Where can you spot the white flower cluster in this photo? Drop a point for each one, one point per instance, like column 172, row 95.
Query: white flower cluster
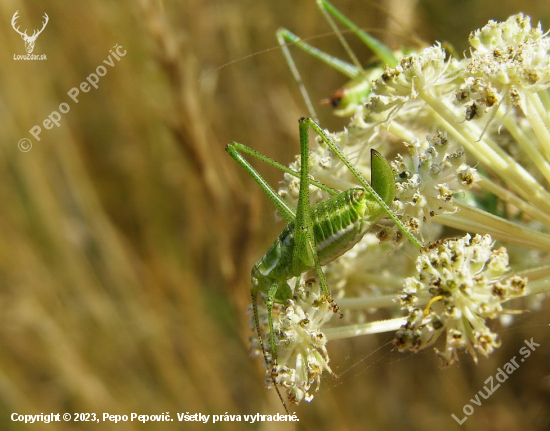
column 429, row 179
column 301, row 346
column 413, row 75
column 512, row 53
column 466, row 282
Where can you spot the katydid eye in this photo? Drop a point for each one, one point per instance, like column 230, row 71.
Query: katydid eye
column 358, row 194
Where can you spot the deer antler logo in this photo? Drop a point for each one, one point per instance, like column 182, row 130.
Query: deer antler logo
column 29, row 40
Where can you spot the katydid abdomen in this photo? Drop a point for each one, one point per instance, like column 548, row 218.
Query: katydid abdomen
column 338, row 223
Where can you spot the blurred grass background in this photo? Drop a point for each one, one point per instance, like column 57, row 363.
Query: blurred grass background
column 127, row 234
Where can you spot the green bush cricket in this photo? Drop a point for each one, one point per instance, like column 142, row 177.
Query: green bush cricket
column 314, row 235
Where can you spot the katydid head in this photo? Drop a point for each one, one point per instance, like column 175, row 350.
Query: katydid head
column 352, row 95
